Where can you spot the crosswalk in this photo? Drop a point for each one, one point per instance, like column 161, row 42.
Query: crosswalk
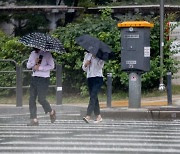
column 69, row 134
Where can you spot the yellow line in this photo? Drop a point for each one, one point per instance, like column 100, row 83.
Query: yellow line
column 125, row 103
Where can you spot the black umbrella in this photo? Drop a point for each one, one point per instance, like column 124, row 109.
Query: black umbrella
column 94, row 46
column 42, row 41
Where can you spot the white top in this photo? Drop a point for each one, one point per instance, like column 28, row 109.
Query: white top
column 46, row 65
column 95, row 68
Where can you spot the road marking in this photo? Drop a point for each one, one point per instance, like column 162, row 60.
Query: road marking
column 93, row 149
column 75, row 136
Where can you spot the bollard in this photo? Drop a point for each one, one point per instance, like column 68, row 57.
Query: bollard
column 109, row 89
column 169, row 88
column 58, row 84
column 134, row 90
column 19, row 90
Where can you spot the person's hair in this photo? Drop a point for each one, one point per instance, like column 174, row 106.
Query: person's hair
column 36, row 49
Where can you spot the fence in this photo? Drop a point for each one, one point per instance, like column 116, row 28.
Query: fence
column 19, row 81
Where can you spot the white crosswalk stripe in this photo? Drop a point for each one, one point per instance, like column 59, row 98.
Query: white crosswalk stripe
column 74, row 136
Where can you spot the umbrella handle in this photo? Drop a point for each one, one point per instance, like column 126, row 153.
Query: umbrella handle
column 90, row 62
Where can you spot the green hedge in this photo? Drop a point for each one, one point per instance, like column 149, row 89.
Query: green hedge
column 104, row 28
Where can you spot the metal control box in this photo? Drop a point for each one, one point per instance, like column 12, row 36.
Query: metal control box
column 135, row 46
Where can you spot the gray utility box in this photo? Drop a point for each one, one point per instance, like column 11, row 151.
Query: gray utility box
column 135, row 46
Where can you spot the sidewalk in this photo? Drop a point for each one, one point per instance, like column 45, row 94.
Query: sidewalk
column 145, row 102
column 151, row 108
column 119, row 109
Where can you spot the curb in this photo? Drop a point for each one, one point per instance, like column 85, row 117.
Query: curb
column 138, row 114
column 122, row 113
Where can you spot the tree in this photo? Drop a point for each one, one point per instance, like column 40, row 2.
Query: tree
column 105, row 28
column 29, row 22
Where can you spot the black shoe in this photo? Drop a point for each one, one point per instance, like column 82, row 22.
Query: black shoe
column 53, row 116
column 33, row 123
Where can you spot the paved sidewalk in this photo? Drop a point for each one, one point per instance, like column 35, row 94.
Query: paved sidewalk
column 145, row 102
column 119, row 109
column 151, row 108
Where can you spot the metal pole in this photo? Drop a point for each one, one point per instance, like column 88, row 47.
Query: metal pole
column 161, row 85
column 169, row 88
column 19, row 89
column 134, row 90
column 58, row 84
column 109, row 89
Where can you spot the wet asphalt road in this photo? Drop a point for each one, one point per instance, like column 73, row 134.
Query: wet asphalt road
column 69, row 134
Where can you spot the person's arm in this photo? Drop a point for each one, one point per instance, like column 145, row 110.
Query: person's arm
column 31, row 61
column 49, row 63
column 86, row 62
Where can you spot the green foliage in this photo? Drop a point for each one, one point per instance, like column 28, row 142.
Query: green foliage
column 12, row 50
column 86, row 3
column 143, row 2
column 151, row 79
column 101, row 2
column 30, row 22
column 105, row 28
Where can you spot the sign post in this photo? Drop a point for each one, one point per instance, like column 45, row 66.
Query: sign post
column 135, row 56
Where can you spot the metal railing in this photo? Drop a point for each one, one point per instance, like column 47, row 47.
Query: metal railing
column 19, row 81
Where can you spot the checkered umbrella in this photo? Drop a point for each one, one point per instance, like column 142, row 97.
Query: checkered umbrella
column 42, row 41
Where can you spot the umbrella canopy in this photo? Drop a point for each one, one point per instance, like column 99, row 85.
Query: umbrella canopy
column 42, row 41
column 94, row 46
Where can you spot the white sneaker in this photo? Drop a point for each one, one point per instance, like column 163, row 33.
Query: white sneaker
column 86, row 119
column 98, row 120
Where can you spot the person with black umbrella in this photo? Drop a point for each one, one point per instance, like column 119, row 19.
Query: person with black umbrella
column 41, row 63
column 93, row 67
column 97, row 53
